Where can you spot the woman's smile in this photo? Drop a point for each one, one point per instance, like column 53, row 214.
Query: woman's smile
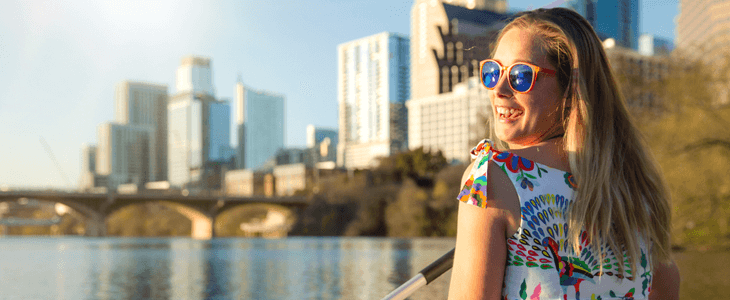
column 508, row 114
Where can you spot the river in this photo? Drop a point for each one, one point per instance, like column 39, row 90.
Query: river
column 291, row 268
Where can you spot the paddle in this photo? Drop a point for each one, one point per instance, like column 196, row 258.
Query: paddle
column 428, row 274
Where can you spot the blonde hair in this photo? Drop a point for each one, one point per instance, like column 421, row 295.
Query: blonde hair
column 621, row 192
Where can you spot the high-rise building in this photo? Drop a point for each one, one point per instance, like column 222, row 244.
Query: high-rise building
column 139, row 103
column 373, row 85
column 618, row 19
column 449, row 108
column 198, row 129
column 219, row 131
column 450, row 122
column 316, row 135
column 640, row 69
column 448, row 41
column 650, row 45
column 88, row 158
column 260, row 123
column 703, row 27
column 194, row 76
column 125, row 154
column 88, row 167
column 323, row 142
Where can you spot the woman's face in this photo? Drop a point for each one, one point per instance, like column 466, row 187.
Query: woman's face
column 525, row 119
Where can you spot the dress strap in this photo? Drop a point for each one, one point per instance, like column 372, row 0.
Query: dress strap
column 474, row 191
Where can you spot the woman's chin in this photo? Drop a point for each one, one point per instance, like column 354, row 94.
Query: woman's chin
column 514, row 140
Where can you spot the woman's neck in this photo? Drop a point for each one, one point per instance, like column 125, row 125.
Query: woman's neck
column 548, row 152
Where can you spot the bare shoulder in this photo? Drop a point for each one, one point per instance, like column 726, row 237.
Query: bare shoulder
column 481, row 246
column 503, row 196
column 500, row 195
column 467, row 172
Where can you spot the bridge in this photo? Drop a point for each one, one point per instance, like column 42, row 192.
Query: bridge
column 202, row 210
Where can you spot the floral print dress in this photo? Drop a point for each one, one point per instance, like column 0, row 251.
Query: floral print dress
column 541, row 264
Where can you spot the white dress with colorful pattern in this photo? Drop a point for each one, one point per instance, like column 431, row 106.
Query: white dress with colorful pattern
column 540, row 262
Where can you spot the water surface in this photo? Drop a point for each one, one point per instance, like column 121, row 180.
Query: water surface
column 292, row 268
column 181, row 268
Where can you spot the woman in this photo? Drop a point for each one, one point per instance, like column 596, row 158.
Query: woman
column 577, row 209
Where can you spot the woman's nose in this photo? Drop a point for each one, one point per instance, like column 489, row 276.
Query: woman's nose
column 502, row 87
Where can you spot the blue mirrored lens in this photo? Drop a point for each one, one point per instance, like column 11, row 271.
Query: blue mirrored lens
column 520, row 77
column 490, row 74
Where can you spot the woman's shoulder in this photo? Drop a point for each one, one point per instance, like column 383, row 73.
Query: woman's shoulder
column 483, row 169
column 546, row 169
column 514, row 160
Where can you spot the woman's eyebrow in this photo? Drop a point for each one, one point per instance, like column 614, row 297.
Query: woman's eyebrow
column 517, row 61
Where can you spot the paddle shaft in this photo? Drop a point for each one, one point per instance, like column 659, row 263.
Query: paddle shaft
column 426, row 276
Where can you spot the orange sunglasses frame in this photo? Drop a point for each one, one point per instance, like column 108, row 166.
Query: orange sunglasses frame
column 535, row 69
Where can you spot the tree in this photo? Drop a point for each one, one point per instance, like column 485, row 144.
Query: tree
column 690, row 137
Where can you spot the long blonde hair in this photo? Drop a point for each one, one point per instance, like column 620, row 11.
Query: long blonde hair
column 621, row 192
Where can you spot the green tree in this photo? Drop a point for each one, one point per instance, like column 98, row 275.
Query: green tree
column 416, row 164
column 689, row 135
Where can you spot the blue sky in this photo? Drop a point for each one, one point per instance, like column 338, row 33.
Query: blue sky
column 60, row 60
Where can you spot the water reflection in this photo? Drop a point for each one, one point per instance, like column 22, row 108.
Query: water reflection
column 186, row 269
column 179, row 268
column 294, row 268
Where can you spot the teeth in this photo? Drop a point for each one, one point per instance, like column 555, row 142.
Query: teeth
column 508, row 113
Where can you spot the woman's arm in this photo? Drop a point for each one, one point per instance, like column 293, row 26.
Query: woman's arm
column 665, row 282
column 481, row 246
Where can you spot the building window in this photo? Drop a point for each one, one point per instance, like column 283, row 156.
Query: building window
column 445, row 79
column 454, row 76
column 450, row 51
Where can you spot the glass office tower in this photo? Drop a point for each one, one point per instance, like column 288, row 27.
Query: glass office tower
column 141, row 103
column 198, row 131
column 373, row 86
column 617, row 19
column 260, row 121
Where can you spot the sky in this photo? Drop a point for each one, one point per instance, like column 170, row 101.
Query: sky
column 60, row 61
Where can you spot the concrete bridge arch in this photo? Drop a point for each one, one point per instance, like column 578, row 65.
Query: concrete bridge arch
column 201, row 210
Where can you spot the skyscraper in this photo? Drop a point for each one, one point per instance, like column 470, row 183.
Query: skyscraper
column 139, row 103
column 448, row 39
column 703, row 27
column 449, row 107
column 88, row 167
column 260, row 123
column 617, row 19
column 88, row 158
column 323, row 141
column 125, row 153
column 652, row 45
column 194, row 76
column 373, row 85
column 450, row 122
column 198, row 131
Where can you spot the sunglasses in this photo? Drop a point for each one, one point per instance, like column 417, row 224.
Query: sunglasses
column 521, row 75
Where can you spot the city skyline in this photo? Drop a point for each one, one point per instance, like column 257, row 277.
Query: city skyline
column 61, row 62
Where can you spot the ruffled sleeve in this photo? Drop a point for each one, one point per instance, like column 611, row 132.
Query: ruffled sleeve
column 474, row 191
